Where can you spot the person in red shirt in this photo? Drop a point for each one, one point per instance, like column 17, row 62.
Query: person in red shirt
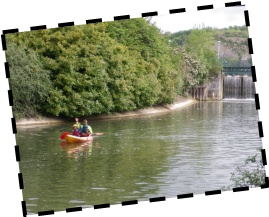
column 75, row 130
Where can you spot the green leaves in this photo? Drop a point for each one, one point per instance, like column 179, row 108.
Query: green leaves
column 98, row 68
column 199, row 61
column 194, row 71
column 199, row 44
column 151, row 61
column 251, row 173
column 29, row 81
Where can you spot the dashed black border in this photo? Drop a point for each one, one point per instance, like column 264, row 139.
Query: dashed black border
column 33, row 28
column 238, row 189
column 253, row 72
column 130, row 202
column 20, row 181
column 10, row 97
column 101, row 206
column 49, row 212
column 66, row 24
column 178, row 10
column 205, row 7
column 156, row 199
column 233, row 4
column 207, row 193
column 257, row 101
column 99, row 20
column 123, row 17
column 14, row 127
column 24, row 210
column 183, row 196
column 74, row 209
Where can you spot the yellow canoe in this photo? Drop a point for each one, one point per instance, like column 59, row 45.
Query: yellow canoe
column 76, row 139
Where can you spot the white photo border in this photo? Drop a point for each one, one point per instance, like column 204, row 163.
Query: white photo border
column 147, row 14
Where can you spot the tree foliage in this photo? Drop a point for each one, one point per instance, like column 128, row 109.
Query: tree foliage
column 145, row 38
column 105, row 67
column 199, row 44
column 110, row 67
column 194, row 71
column 233, row 42
column 200, row 62
column 29, row 81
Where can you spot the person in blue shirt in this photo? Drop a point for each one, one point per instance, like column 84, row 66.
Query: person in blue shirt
column 85, row 129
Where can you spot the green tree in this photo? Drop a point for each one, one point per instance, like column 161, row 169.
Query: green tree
column 105, row 67
column 161, row 63
column 233, row 43
column 29, row 81
column 179, row 37
column 194, row 71
column 199, row 44
column 140, row 35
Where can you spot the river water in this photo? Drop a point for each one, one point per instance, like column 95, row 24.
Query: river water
column 191, row 150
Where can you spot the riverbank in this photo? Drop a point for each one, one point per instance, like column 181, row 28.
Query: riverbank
column 180, row 102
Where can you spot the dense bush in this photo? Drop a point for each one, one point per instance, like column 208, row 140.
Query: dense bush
column 29, row 81
column 162, row 62
column 105, row 67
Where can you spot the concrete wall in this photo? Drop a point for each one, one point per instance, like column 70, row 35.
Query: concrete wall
column 211, row 91
column 199, row 93
column 215, row 88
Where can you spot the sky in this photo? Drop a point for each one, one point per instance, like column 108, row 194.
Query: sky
column 219, row 18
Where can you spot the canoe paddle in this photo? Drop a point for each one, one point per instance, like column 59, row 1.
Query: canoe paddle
column 64, row 134
column 98, row 134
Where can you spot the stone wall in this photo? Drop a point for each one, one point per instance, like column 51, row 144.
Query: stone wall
column 211, row 91
column 215, row 88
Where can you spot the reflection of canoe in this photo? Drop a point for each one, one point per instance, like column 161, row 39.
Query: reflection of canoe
column 76, row 150
column 76, row 139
